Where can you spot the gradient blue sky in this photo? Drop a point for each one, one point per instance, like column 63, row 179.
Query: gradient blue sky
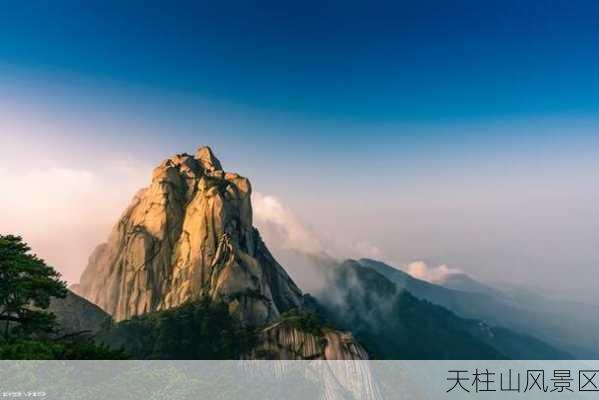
column 461, row 132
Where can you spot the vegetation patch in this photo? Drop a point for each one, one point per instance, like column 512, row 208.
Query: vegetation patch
column 29, row 330
column 303, row 321
column 197, row 330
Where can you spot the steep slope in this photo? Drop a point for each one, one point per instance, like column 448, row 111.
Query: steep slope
column 568, row 331
column 189, row 236
column 392, row 323
column 75, row 314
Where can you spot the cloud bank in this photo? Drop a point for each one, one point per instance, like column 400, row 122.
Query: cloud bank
column 64, row 212
column 281, row 228
column 438, row 274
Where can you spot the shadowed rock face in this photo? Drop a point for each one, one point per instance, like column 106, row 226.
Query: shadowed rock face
column 188, row 234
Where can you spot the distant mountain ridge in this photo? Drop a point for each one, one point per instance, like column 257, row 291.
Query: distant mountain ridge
column 464, row 283
column 553, row 322
column 394, row 324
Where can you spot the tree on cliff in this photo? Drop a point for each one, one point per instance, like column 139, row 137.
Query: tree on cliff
column 26, row 286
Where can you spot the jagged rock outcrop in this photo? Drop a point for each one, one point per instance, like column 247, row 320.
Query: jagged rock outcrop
column 188, row 234
column 285, row 342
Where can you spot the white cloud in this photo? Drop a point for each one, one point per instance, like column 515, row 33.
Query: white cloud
column 64, row 212
column 280, row 227
column 364, row 249
column 421, row 270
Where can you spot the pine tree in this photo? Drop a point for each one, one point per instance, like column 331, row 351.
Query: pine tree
column 26, row 286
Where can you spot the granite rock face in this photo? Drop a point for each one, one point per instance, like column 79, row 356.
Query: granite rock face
column 188, row 234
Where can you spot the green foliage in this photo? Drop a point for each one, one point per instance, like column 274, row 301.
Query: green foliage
column 303, row 321
column 28, row 349
column 26, row 286
column 64, row 349
column 197, row 330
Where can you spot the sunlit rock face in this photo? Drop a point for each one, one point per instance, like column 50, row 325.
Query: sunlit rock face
column 188, row 234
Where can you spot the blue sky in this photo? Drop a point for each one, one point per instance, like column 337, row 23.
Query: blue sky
column 458, row 132
column 359, row 61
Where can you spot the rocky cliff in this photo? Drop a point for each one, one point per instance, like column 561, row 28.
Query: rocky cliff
column 190, row 235
column 284, row 342
column 187, row 235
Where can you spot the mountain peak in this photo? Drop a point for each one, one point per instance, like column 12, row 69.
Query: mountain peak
column 207, row 159
column 189, row 234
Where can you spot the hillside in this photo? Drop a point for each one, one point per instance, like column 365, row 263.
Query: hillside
column 393, row 324
column 559, row 324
